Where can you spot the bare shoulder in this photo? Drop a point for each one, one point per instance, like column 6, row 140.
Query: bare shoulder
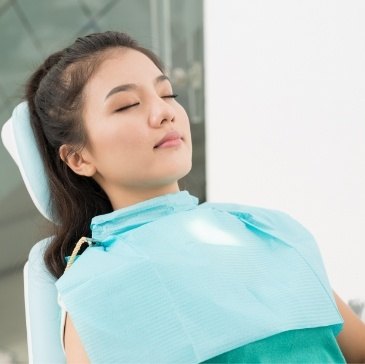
column 74, row 349
column 352, row 337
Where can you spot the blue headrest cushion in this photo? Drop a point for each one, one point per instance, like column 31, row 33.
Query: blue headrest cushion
column 18, row 138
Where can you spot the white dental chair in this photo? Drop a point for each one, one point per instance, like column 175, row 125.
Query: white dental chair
column 42, row 312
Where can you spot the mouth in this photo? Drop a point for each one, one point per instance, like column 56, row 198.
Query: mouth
column 171, row 139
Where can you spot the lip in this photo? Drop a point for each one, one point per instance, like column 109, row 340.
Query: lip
column 171, row 139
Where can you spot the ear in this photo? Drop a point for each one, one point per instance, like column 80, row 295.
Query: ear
column 79, row 161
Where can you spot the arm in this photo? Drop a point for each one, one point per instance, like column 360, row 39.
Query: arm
column 352, row 337
column 75, row 352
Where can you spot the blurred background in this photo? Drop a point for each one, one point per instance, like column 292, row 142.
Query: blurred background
column 29, row 31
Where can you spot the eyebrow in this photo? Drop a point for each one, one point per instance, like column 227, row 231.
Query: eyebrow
column 133, row 86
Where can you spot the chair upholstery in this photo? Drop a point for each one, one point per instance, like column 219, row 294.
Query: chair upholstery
column 18, row 138
column 42, row 312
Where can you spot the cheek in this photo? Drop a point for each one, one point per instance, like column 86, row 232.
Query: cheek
column 183, row 115
column 186, row 124
column 118, row 143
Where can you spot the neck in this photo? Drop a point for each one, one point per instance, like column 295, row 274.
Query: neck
column 120, row 198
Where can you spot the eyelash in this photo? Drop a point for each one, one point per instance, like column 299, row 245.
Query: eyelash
column 126, row 107
column 172, row 96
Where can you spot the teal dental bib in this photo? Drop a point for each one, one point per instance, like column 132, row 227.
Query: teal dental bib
column 178, row 282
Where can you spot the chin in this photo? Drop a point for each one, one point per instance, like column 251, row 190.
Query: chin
column 175, row 174
column 183, row 170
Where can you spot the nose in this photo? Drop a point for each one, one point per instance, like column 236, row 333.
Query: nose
column 161, row 112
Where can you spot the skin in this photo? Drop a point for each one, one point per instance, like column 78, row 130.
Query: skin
column 121, row 156
column 352, row 337
column 120, row 153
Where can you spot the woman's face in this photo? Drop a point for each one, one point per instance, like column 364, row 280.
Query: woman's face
column 139, row 141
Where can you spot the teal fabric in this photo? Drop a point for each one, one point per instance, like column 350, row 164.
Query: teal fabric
column 178, row 282
column 316, row 345
column 29, row 160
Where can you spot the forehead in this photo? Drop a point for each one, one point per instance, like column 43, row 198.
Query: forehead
column 123, row 65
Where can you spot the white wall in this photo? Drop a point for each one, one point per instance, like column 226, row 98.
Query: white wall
column 285, row 118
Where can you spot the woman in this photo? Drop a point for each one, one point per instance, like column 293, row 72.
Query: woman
column 165, row 279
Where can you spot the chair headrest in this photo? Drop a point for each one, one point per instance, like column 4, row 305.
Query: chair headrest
column 19, row 140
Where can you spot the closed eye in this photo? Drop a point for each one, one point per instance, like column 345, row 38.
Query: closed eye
column 126, row 107
column 172, row 96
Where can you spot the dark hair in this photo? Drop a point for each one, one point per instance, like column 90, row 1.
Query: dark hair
column 54, row 94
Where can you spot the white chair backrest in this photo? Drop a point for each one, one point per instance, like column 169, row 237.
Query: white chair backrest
column 42, row 312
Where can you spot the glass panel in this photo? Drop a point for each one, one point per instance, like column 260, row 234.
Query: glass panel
column 183, row 53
